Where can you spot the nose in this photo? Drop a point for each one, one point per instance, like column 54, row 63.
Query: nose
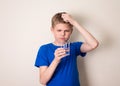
column 62, row 33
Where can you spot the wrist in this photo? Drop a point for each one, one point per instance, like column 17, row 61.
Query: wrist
column 56, row 60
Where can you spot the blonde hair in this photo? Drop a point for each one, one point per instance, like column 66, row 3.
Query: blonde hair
column 57, row 19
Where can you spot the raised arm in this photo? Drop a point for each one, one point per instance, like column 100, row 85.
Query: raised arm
column 90, row 42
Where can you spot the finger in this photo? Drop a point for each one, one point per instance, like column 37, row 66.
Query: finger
column 65, row 18
column 60, row 50
column 61, row 55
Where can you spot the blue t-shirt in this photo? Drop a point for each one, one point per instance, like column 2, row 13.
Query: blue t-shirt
column 66, row 73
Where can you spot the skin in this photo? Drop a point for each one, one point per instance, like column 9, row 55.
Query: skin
column 62, row 33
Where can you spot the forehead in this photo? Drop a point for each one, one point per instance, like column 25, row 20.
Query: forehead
column 62, row 26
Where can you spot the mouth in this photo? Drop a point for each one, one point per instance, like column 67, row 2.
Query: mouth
column 62, row 38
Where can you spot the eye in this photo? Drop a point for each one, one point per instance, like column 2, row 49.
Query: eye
column 59, row 30
column 67, row 30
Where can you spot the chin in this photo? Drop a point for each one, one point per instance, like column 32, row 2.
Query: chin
column 63, row 41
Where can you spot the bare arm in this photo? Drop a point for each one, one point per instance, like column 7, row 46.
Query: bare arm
column 90, row 41
column 46, row 72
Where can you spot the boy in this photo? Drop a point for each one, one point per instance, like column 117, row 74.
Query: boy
column 57, row 69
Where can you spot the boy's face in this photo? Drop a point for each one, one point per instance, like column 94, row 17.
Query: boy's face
column 61, row 33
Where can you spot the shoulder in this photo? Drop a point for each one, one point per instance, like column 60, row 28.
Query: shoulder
column 44, row 46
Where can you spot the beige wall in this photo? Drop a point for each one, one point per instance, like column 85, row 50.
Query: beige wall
column 25, row 25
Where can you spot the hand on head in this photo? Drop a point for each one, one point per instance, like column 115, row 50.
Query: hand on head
column 67, row 18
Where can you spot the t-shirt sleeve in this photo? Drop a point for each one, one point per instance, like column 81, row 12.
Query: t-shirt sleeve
column 41, row 58
column 78, row 52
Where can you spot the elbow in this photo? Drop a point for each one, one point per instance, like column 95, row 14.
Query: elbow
column 95, row 45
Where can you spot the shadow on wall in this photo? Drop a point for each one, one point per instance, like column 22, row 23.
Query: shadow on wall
column 106, row 42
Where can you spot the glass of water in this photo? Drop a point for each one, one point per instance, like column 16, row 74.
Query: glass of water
column 66, row 46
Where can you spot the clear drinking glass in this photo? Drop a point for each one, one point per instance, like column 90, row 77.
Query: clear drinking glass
column 66, row 46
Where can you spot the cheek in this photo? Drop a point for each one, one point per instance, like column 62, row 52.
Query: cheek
column 68, row 34
column 56, row 34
